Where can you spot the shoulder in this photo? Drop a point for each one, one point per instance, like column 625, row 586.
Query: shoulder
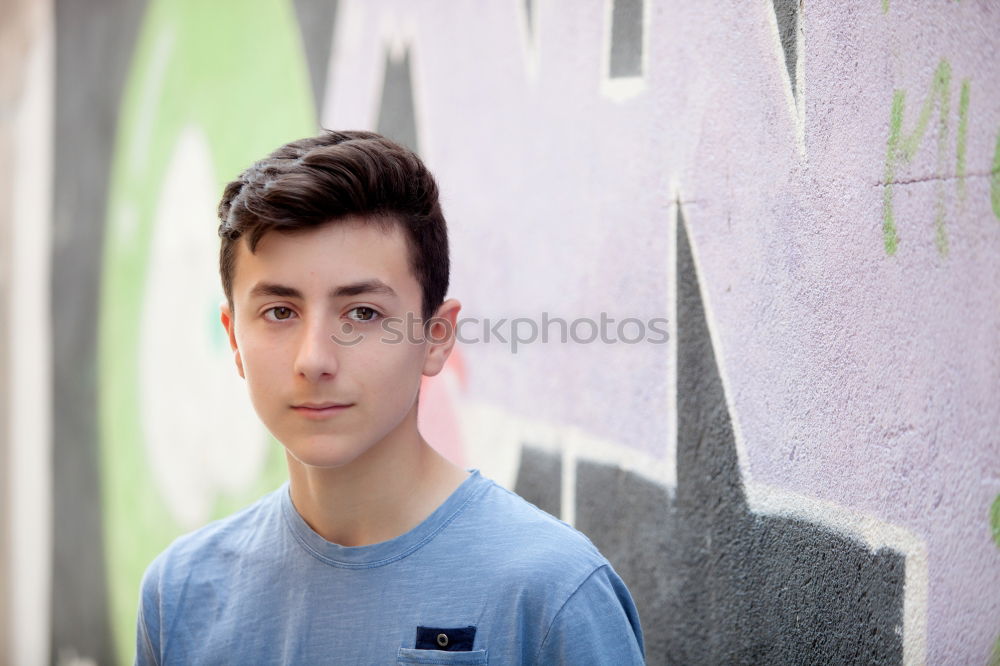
column 598, row 623
column 581, row 605
column 522, row 542
column 212, row 546
column 533, row 529
column 196, row 570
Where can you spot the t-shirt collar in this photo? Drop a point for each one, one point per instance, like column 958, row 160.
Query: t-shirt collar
column 384, row 552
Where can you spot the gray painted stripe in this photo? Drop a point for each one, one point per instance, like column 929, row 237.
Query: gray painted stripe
column 316, row 26
column 396, row 115
column 95, row 39
column 539, row 479
column 626, row 39
column 787, row 14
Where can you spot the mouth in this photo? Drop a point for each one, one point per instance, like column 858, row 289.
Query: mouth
column 321, row 405
column 320, row 410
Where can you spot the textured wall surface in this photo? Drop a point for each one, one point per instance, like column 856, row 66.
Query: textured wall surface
column 26, row 103
column 17, row 32
column 803, row 468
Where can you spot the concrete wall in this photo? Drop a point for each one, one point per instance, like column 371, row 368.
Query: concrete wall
column 804, row 467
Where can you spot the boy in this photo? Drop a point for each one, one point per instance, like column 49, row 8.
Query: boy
column 378, row 550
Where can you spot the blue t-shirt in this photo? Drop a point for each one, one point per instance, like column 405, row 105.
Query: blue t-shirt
column 486, row 578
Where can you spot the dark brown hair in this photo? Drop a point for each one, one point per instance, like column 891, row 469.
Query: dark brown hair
column 310, row 182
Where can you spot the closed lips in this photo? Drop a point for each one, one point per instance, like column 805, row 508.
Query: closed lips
column 321, row 405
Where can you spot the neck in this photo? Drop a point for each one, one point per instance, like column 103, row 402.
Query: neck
column 385, row 492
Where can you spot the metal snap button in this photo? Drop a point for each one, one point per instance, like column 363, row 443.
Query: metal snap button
column 442, row 639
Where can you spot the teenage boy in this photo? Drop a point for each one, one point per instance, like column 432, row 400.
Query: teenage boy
column 377, row 550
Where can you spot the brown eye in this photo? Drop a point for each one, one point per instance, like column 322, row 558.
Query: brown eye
column 364, row 313
column 280, row 313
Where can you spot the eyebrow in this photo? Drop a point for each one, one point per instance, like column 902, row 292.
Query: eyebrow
column 373, row 286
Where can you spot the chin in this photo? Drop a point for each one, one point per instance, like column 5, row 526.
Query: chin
column 325, row 453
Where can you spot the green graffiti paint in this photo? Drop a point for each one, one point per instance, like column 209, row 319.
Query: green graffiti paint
column 238, row 79
column 939, row 90
column 963, row 131
column 995, row 520
column 902, row 147
column 895, row 130
column 943, row 83
column 995, row 180
column 995, row 508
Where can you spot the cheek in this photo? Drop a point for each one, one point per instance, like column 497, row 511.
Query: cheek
column 262, row 367
column 394, row 371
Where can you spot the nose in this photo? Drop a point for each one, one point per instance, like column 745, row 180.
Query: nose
column 316, row 359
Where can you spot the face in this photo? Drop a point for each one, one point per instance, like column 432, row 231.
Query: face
column 307, row 334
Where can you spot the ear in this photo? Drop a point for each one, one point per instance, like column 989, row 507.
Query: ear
column 229, row 323
column 440, row 336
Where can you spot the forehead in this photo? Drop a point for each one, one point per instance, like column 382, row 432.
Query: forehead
column 336, row 253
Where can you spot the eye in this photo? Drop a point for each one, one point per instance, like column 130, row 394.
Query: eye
column 279, row 313
column 363, row 313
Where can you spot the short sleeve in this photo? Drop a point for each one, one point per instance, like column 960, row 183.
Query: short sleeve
column 598, row 624
column 148, row 619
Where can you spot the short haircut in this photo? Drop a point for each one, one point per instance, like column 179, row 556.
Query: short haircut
column 313, row 181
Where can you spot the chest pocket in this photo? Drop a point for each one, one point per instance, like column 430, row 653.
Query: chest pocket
column 467, row 658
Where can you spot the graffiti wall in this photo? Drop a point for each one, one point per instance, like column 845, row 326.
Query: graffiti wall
column 731, row 270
